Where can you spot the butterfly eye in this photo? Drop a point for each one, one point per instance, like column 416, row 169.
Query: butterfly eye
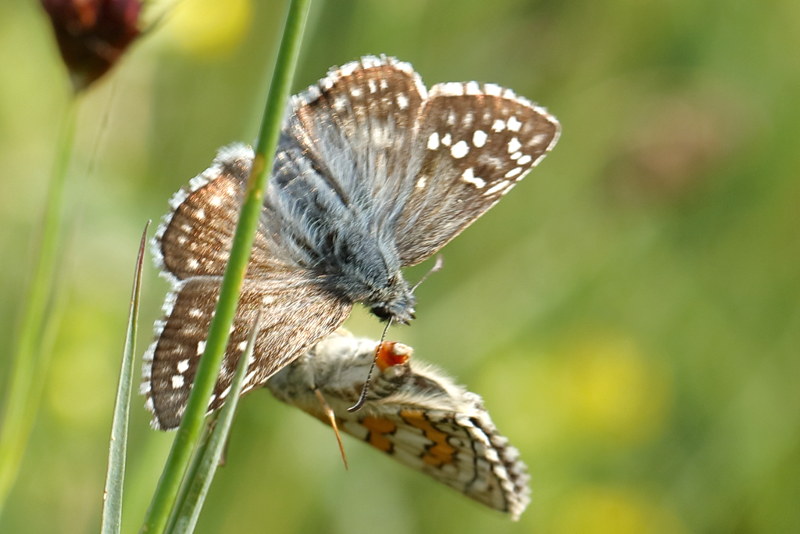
column 382, row 312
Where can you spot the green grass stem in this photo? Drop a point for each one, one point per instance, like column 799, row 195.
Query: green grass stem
column 209, row 453
column 28, row 363
column 208, row 368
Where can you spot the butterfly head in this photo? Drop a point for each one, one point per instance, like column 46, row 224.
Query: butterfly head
column 395, row 301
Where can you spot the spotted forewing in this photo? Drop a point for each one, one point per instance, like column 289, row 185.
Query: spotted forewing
column 192, row 245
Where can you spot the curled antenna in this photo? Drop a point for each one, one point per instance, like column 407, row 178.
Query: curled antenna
column 362, row 398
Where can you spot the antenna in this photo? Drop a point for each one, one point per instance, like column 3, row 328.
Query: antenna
column 362, row 398
column 436, row 268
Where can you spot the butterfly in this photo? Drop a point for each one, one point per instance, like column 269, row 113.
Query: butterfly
column 373, row 173
column 413, row 412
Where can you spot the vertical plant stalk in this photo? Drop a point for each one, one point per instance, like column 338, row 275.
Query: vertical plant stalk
column 115, row 477
column 23, row 398
column 207, row 456
column 208, row 368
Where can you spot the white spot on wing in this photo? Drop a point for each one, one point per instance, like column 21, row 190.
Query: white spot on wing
column 479, row 138
column 469, row 177
column 498, row 125
column 183, row 366
column 177, row 381
column 537, row 139
column 241, row 346
column 459, row 150
column 177, row 199
column 402, row 101
column 192, row 263
column 215, row 200
column 524, row 160
column 514, row 145
column 421, row 182
column 513, row 172
column 446, row 140
column 249, row 377
column 499, row 186
column 514, row 124
column 195, row 312
column 492, row 89
column 201, row 347
column 453, row 88
column 433, row 141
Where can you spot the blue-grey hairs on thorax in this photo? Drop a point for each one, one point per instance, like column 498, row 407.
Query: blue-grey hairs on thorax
column 336, row 229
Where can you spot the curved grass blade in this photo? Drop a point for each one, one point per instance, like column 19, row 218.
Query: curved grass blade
column 115, row 477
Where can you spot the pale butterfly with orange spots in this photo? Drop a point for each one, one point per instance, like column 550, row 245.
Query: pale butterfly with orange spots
column 413, row 412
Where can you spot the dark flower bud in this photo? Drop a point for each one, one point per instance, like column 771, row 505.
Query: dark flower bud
column 92, row 34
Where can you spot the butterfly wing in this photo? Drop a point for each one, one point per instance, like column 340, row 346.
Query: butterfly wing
column 295, row 314
column 420, row 165
column 477, row 142
column 357, row 126
column 195, row 238
column 414, row 414
column 193, row 245
column 460, row 448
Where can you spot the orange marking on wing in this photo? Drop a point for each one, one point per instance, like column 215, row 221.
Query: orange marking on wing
column 378, row 428
column 441, row 452
column 391, row 353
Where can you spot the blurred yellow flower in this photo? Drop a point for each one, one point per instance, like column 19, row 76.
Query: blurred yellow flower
column 207, row 28
column 599, row 388
column 610, row 389
column 601, row 510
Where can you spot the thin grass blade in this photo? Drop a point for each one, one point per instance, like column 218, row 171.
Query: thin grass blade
column 117, row 450
column 22, row 396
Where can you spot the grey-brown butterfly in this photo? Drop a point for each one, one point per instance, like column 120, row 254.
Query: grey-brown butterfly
column 373, row 173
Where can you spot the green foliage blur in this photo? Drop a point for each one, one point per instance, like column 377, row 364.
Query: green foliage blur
column 630, row 313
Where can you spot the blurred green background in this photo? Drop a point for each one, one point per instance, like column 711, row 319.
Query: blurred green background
column 630, row 313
